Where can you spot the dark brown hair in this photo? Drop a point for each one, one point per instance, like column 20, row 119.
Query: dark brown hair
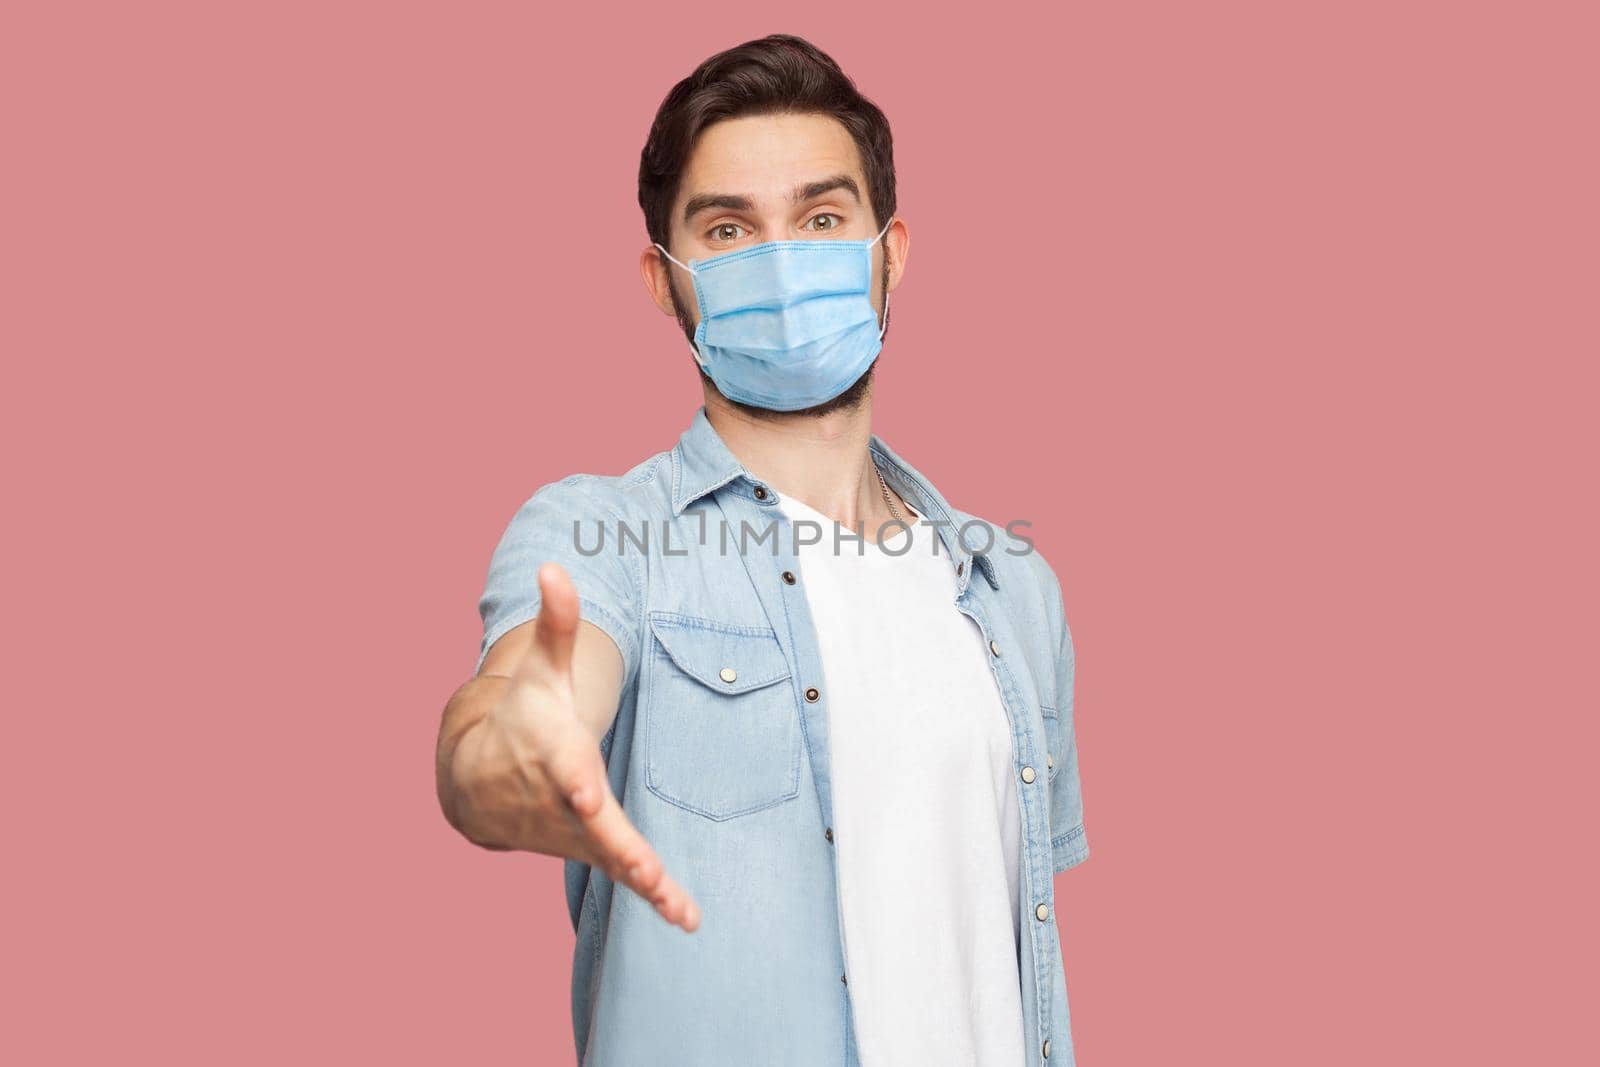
column 776, row 73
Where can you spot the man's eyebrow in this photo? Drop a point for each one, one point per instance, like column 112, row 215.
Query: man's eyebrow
column 706, row 201
column 812, row 190
column 802, row 193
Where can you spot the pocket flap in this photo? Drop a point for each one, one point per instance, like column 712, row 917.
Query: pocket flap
column 721, row 656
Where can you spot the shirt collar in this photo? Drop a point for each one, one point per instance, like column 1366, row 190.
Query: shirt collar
column 912, row 486
column 701, row 464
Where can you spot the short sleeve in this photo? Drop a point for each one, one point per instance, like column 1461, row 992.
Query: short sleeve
column 1068, row 845
column 565, row 522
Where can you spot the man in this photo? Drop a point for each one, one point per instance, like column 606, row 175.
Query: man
column 769, row 680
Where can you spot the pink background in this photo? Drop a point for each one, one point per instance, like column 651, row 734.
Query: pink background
column 1277, row 320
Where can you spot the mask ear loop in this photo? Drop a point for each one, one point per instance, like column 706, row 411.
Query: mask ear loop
column 870, row 243
column 698, row 358
column 674, row 259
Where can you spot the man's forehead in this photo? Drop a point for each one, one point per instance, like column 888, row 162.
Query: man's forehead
column 771, row 159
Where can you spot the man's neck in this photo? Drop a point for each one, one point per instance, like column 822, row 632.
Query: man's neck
column 822, row 461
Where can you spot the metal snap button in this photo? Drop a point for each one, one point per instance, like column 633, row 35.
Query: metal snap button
column 828, row 833
column 1027, row 774
column 761, row 492
column 994, row 646
column 788, row 578
column 1049, row 760
column 1046, row 1048
column 727, row 674
column 812, row 695
column 1042, row 911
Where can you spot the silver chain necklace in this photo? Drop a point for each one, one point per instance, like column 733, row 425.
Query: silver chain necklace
column 894, row 512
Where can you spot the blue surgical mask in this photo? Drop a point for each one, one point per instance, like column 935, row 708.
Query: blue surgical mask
column 787, row 324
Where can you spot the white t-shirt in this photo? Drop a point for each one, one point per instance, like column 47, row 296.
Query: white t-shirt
column 926, row 821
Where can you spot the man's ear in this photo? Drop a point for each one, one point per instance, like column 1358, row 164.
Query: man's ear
column 656, row 271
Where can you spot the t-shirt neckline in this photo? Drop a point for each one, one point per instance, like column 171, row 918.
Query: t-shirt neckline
column 891, row 540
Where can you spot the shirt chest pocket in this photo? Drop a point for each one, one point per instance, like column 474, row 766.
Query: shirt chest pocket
column 722, row 734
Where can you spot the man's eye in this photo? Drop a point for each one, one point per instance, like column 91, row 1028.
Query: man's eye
column 722, row 233
column 834, row 225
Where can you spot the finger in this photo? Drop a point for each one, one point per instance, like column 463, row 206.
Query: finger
column 572, row 764
column 651, row 881
column 675, row 904
column 616, row 843
column 622, row 851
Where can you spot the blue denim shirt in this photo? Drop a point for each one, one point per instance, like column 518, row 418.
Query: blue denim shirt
column 729, row 780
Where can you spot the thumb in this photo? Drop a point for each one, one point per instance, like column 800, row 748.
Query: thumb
column 555, row 631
